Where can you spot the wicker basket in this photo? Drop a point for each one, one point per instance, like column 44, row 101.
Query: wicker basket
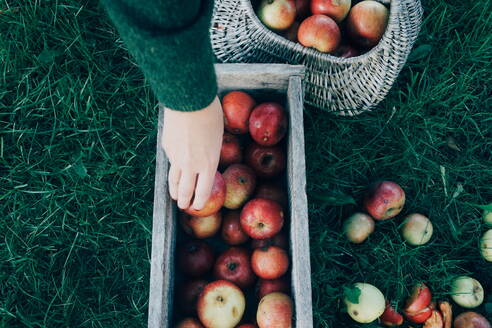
column 346, row 86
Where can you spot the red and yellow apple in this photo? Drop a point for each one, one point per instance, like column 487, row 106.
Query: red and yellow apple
column 187, row 295
column 201, row 227
column 267, row 286
column 277, row 15
column 270, row 262
column 195, row 258
column 234, row 265
column 390, row 317
column 467, row 292
column 384, row 200
column 358, row 227
column 274, row 311
column 232, row 232
column 471, row 320
column 336, row 9
column 418, row 307
column 267, row 162
column 486, row 245
column 237, row 107
column 240, row 183
column 366, row 22
column 320, row 32
column 369, row 306
column 215, row 201
column 261, row 218
column 417, row 229
column 268, row 124
column 230, row 153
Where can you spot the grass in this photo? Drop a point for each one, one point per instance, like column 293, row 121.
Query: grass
column 77, row 145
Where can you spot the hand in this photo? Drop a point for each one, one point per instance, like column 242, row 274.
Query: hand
column 192, row 142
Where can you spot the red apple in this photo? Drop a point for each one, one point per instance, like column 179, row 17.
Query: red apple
column 279, row 240
column 234, row 265
column 346, row 51
column 187, row 295
column 277, row 15
column 270, row 262
column 384, row 200
column 189, row 323
column 419, row 299
column 390, row 317
column 215, row 201
column 366, row 22
column 421, row 316
column 471, row 320
column 275, row 311
column 273, row 192
column 267, row 162
column 291, row 33
column 230, row 153
column 267, row 286
column 201, row 227
column 247, row 325
column 232, row 232
column 240, row 183
column 336, row 9
column 320, row 32
column 268, row 124
column 262, row 218
column 195, row 258
column 237, row 107
column 435, row 320
column 302, row 8
column 221, row 304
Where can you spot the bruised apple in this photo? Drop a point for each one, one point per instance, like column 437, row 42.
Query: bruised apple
column 267, row 162
column 275, row 311
column 268, row 124
column 336, row 9
column 195, row 258
column 215, row 201
column 267, row 286
column 230, row 153
column 320, row 32
column 471, row 320
column 384, row 200
column 367, row 22
column 277, row 15
column 261, row 218
column 270, row 262
column 369, row 306
column 237, row 106
column 240, row 183
column 232, row 232
column 187, row 295
column 234, row 265
column 358, row 227
column 201, row 227
column 189, row 323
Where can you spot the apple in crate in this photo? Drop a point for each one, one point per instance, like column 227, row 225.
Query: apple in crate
column 274, row 311
column 467, row 292
column 237, row 107
column 221, row 305
column 390, row 317
column 486, row 245
column 417, row 229
column 268, row 124
column 201, row 227
column 267, row 162
column 358, row 227
column 234, row 265
column 195, row 258
column 273, row 192
column 384, row 200
column 336, row 9
column 262, row 218
column 366, row 23
column 418, row 307
column 189, row 323
column 471, row 320
column 232, row 232
column 216, row 200
column 365, row 302
column 240, row 183
column 270, row 262
column 230, row 153
column 187, row 295
column 320, row 32
column 279, row 240
column 277, row 15
column 267, row 286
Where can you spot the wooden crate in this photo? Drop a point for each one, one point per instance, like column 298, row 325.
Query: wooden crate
column 274, row 80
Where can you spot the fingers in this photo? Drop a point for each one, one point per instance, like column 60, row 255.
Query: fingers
column 186, row 188
column 173, row 179
column 203, row 189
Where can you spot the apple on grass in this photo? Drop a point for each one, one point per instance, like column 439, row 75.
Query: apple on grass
column 268, row 124
column 262, row 218
column 279, row 240
column 366, row 22
column 187, row 295
column 277, row 15
column 447, row 313
column 417, row 229
column 487, row 216
column 435, row 320
column 267, row 162
column 232, row 232
column 237, row 107
column 384, row 200
column 418, row 307
column 336, row 9
column 467, row 292
column 365, row 303
column 234, row 265
column 195, row 258
column 270, row 262
column 240, row 183
column 215, row 201
column 486, row 245
column 230, row 152
column 267, row 286
column 274, row 311
column 320, row 32
column 358, row 227
column 201, row 227
column 189, row 323
column 221, row 305
column 471, row 320
column 390, row 317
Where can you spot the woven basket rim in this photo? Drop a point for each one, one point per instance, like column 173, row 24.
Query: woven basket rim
column 295, row 46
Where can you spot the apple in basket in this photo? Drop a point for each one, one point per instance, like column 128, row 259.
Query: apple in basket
column 277, row 14
column 320, row 32
column 215, row 201
column 237, row 106
column 230, row 153
column 366, row 23
column 302, row 8
column 336, row 9
column 346, row 51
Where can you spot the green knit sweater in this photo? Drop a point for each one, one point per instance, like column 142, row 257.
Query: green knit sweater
column 171, row 43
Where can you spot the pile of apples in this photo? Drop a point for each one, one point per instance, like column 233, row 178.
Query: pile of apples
column 247, row 210
column 330, row 26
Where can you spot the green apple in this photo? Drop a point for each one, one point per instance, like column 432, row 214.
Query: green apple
column 486, row 245
column 467, row 292
column 368, row 306
column 487, row 216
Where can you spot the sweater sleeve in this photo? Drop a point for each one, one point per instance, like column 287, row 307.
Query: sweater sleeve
column 170, row 41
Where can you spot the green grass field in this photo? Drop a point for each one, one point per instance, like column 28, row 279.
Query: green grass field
column 77, row 151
